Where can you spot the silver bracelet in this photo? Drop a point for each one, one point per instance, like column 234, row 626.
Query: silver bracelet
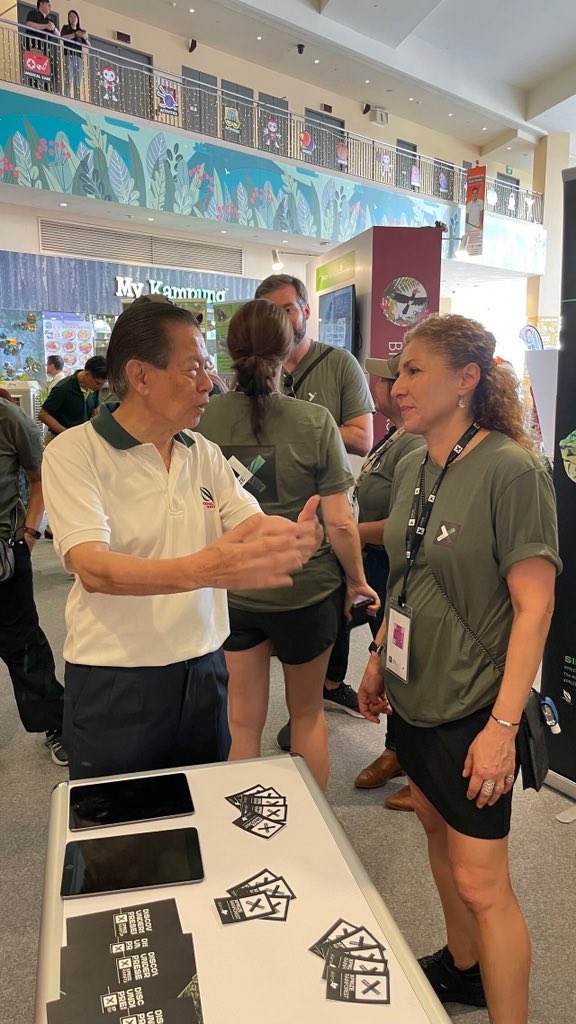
column 502, row 721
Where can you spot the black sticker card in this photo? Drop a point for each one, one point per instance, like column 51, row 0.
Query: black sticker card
column 233, row 909
column 107, row 926
column 349, row 987
column 169, row 1011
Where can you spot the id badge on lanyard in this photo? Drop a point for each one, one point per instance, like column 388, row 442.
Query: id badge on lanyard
column 398, row 640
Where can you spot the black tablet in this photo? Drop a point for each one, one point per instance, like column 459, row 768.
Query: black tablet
column 123, row 801
column 144, row 860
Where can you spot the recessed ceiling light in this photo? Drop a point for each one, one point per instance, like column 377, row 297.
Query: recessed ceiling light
column 484, row 129
column 192, row 10
column 316, row 61
column 149, row 218
column 223, row 232
column 450, row 115
column 366, row 81
column 284, row 241
column 63, row 204
column 508, row 147
column 410, row 99
column 259, row 38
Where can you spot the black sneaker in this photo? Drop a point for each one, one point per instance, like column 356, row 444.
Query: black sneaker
column 450, row 984
column 283, row 738
column 57, row 752
column 343, row 698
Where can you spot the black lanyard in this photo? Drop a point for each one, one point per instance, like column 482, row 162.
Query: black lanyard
column 416, row 529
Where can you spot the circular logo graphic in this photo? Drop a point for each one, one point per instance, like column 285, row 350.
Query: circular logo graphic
column 404, row 302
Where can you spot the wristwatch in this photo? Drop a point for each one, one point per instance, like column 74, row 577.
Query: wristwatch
column 375, row 648
column 32, row 533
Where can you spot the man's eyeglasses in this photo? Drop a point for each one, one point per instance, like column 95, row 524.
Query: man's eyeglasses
column 288, row 385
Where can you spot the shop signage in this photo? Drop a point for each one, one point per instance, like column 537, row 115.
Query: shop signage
column 128, row 288
column 37, row 65
column 338, row 271
column 167, row 98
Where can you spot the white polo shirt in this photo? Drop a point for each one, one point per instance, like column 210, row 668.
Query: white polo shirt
column 101, row 484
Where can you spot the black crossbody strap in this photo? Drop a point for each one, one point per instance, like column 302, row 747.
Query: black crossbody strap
column 466, row 627
column 309, row 369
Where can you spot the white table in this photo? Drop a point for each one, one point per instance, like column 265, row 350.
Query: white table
column 270, row 961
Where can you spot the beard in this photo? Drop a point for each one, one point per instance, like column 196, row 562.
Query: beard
column 299, row 330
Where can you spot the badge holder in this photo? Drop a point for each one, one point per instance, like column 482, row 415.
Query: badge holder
column 398, row 640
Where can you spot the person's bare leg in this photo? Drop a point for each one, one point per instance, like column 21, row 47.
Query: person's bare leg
column 482, row 878
column 304, row 688
column 461, row 934
column 248, row 691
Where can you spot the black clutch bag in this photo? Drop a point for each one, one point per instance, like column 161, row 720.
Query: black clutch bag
column 531, row 744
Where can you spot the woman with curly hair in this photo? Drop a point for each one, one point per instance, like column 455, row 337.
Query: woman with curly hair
column 472, row 543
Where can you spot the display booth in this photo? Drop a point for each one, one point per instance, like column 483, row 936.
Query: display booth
column 283, row 925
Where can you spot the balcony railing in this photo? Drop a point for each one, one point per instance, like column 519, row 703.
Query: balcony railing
column 126, row 86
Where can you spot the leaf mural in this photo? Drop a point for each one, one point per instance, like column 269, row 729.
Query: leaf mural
column 82, row 151
column 137, row 172
column 305, row 218
column 328, row 193
column 22, row 160
column 158, row 186
column 156, row 154
column 66, row 151
column 170, row 189
column 10, row 176
column 96, row 138
column 101, row 176
column 83, row 183
column 121, row 180
column 242, row 204
column 218, row 196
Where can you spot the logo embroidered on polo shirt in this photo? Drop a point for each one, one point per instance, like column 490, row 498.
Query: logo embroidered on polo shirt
column 207, row 499
column 447, row 534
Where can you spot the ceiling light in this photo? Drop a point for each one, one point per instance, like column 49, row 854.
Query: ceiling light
column 484, row 129
column 149, row 218
column 410, row 99
column 276, row 261
column 508, row 148
column 259, row 38
column 316, row 61
column 366, row 81
column 192, row 10
column 223, row 232
column 63, row 204
column 284, row 241
column 450, row 115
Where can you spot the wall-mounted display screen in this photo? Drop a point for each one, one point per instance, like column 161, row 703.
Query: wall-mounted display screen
column 337, row 318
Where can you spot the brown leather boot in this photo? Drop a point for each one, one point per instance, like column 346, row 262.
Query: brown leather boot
column 384, row 768
column 401, row 800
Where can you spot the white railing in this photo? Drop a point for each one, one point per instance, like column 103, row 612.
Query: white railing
column 126, row 86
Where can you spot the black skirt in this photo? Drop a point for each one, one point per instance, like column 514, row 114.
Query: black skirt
column 434, row 759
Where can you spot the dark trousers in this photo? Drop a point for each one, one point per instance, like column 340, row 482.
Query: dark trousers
column 26, row 651
column 141, row 719
column 376, row 567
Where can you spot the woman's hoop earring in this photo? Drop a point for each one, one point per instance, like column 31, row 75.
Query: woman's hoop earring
column 461, row 403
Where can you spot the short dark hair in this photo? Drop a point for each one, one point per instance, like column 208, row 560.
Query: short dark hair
column 141, row 332
column 96, row 365
column 276, row 281
column 38, row 2
column 56, row 361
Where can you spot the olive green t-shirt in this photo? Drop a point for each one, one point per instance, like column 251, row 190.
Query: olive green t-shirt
column 495, row 507
column 300, row 454
column 337, row 382
column 375, row 487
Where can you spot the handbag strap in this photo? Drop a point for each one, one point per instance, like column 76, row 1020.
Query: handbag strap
column 309, row 369
column 466, row 627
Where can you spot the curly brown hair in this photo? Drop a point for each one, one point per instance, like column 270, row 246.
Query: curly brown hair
column 260, row 338
column 495, row 402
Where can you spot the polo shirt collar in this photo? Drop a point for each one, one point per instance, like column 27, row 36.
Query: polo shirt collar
column 114, row 433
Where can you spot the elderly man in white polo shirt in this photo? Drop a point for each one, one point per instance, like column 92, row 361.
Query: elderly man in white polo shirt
column 150, row 518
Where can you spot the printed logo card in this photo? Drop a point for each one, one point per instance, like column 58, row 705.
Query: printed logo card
column 109, row 926
column 232, row 909
column 376, row 963
column 348, row 987
column 339, row 930
column 236, row 798
column 357, row 940
column 71, row 1010
column 262, row 878
column 259, row 826
column 166, row 969
column 280, row 905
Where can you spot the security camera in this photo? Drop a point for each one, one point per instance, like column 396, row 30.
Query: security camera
column 300, row 48
column 193, row 45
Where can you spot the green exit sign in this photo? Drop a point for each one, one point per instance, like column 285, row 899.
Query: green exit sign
column 509, row 170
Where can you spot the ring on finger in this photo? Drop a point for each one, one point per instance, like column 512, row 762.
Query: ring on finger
column 487, row 787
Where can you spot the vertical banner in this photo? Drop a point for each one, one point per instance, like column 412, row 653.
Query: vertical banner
column 475, row 199
column 406, row 264
column 559, row 667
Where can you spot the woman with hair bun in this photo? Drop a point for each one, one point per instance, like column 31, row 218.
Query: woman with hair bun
column 473, row 551
column 284, row 451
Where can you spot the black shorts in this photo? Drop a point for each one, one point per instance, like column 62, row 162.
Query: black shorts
column 297, row 636
column 434, row 759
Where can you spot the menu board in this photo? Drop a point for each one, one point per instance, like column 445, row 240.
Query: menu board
column 70, row 335
column 21, row 349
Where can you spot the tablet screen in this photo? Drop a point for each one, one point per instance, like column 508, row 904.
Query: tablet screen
column 142, row 860
column 129, row 800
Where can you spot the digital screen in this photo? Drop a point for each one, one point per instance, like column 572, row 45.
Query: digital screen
column 337, row 315
column 120, row 801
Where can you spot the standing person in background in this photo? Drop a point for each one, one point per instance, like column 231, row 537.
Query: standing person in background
column 43, row 38
column 331, row 377
column 23, row 645
column 372, row 493
column 284, row 451
column 473, row 548
column 54, row 370
column 75, row 38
